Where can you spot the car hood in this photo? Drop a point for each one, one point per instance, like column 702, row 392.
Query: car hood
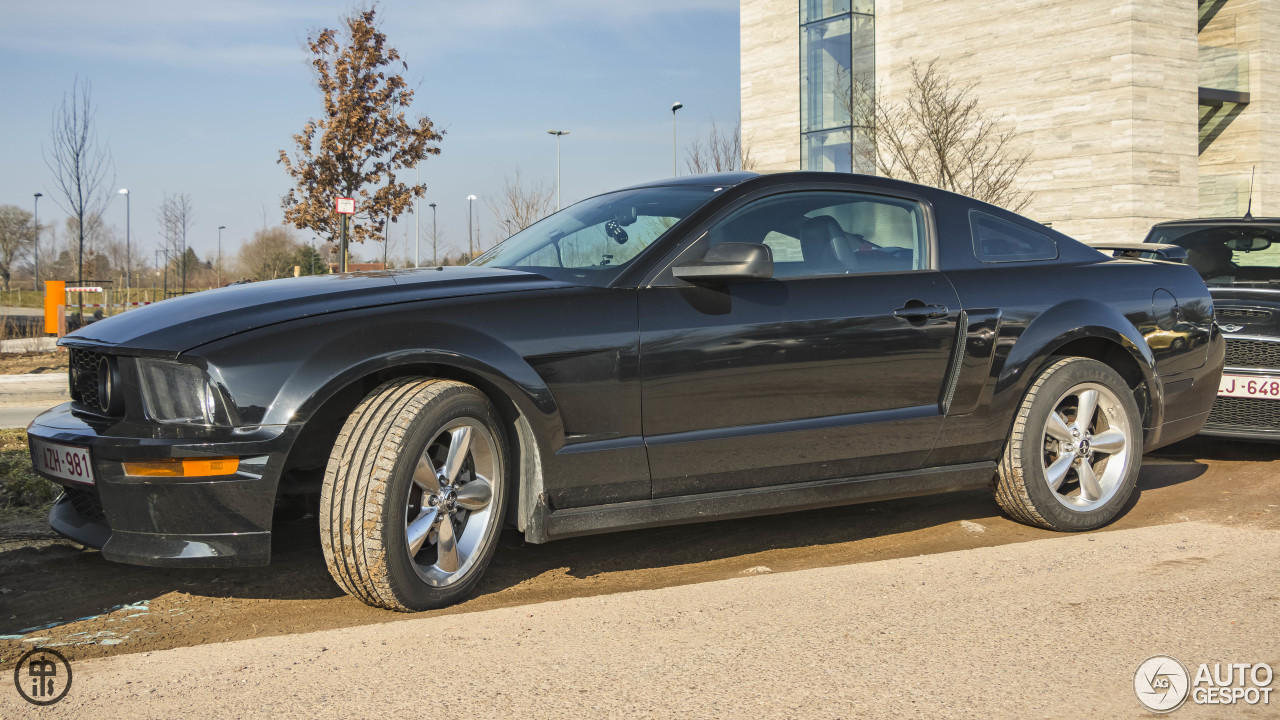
column 170, row 327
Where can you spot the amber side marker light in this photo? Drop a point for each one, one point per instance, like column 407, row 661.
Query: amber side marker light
column 183, row 467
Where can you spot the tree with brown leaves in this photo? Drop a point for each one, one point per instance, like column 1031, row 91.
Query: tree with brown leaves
column 363, row 137
column 938, row 134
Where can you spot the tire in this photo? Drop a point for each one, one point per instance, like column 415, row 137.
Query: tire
column 1047, row 476
column 393, row 477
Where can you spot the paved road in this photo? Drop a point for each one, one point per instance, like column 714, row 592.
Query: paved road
column 1049, row 628
column 18, row 416
column 24, row 345
column 12, row 310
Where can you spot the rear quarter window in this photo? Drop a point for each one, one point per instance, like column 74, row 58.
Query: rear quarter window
column 996, row 240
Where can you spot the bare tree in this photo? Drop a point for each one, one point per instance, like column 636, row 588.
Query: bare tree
column 519, row 205
column 437, row 237
column 17, row 237
column 83, row 174
column 940, row 135
column 176, row 216
column 719, row 151
column 270, row 254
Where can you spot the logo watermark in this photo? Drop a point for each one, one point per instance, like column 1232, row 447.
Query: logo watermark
column 1163, row 684
column 42, row 676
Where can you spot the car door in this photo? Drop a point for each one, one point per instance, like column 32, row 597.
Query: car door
column 834, row 368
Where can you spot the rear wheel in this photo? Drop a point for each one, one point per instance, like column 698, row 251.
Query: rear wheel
column 1073, row 455
column 414, row 494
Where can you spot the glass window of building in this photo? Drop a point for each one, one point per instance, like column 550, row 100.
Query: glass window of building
column 837, row 71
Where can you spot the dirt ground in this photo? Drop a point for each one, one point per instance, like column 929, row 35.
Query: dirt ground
column 33, row 362
column 57, row 595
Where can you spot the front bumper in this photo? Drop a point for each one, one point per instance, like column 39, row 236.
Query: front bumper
column 1256, row 419
column 220, row 521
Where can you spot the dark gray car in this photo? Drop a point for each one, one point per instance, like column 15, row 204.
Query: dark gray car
column 1239, row 259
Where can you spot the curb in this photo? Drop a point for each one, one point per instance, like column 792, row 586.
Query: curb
column 34, row 389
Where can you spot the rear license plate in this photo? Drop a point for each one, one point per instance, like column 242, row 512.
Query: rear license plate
column 1249, row 386
column 62, row 461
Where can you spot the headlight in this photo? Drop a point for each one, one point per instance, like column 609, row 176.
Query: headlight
column 175, row 392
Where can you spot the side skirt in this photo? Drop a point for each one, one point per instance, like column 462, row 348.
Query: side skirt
column 548, row 524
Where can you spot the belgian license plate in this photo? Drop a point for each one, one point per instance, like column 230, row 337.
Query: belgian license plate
column 1250, row 386
column 62, row 461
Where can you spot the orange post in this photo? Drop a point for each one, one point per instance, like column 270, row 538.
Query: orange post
column 55, row 297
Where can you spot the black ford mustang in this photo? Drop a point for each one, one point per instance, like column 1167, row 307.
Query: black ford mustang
column 709, row 347
column 1239, row 258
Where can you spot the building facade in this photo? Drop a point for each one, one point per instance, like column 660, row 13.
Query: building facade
column 1133, row 111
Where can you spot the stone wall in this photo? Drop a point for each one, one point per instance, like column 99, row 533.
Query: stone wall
column 1250, row 27
column 1104, row 95
column 770, row 72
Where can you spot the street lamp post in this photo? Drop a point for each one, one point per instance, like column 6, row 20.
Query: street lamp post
column 127, row 265
column 35, row 220
column 470, row 244
column 674, row 170
column 220, row 229
column 558, row 134
column 434, row 261
column 417, row 239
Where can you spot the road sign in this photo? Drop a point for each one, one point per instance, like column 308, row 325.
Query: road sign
column 345, row 206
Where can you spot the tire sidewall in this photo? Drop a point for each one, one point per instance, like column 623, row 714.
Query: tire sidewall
column 450, row 405
column 1064, row 378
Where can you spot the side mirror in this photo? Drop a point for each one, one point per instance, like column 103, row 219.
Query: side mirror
column 729, row 261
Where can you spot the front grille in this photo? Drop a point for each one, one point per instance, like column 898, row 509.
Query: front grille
column 84, row 367
column 1245, row 414
column 1253, row 353
column 86, row 503
column 1244, row 315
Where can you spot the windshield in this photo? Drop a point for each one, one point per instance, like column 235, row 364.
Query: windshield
column 591, row 242
column 1229, row 254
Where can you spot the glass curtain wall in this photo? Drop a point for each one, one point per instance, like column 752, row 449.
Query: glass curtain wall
column 837, row 72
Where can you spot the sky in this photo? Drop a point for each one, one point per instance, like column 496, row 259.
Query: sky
column 200, row 97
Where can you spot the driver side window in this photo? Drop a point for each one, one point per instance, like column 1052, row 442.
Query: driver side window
column 817, row 233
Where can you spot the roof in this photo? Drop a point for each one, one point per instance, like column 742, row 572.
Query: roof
column 1219, row 221
column 724, row 179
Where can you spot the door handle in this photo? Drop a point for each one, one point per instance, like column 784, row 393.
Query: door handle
column 921, row 312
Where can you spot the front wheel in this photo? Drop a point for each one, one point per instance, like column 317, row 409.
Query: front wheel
column 1075, row 449
column 414, row 494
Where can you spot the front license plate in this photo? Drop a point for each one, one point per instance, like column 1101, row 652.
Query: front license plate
column 1249, row 386
column 62, row 461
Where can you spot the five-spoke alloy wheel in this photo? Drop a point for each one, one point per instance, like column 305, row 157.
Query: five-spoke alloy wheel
column 450, row 502
column 1073, row 454
column 414, row 494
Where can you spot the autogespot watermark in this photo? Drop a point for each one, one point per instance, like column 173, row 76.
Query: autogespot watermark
column 42, row 676
column 1163, row 684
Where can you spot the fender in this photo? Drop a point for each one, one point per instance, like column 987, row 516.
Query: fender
column 1059, row 325
column 275, row 388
